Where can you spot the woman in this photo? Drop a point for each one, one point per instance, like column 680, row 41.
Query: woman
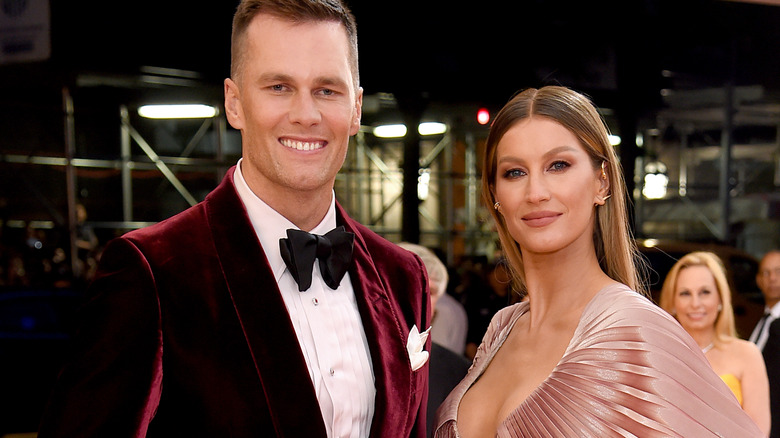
column 697, row 293
column 584, row 354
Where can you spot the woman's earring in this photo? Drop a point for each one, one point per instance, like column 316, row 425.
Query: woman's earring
column 497, row 205
column 604, row 177
column 603, row 200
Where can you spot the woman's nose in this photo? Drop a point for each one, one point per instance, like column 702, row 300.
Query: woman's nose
column 537, row 188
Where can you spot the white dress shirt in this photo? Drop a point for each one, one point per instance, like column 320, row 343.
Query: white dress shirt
column 326, row 321
column 760, row 338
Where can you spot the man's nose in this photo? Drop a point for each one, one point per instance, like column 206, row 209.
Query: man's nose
column 304, row 110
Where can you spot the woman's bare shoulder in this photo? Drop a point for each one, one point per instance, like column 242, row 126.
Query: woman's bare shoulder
column 743, row 348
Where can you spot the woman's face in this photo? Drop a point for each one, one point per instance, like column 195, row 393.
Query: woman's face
column 547, row 186
column 696, row 298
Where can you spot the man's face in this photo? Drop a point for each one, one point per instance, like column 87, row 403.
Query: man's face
column 768, row 278
column 295, row 104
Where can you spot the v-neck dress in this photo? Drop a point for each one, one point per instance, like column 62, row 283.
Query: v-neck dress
column 630, row 370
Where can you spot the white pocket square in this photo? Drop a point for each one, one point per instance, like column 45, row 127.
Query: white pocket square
column 415, row 345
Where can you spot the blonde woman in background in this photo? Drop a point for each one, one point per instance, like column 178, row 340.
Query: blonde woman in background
column 697, row 293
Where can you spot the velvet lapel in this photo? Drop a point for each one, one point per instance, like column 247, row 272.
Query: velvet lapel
column 263, row 316
column 386, row 339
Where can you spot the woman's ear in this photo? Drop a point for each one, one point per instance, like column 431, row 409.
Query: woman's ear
column 603, row 192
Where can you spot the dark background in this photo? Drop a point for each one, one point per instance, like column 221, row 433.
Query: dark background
column 474, row 51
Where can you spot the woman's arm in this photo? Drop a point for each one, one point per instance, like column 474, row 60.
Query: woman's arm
column 755, row 386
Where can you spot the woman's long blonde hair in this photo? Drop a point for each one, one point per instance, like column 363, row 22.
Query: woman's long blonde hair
column 615, row 247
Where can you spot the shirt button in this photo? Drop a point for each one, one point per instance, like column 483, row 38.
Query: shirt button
column 332, row 371
column 315, row 301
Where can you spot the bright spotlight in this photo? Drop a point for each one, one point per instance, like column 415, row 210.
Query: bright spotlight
column 192, row 111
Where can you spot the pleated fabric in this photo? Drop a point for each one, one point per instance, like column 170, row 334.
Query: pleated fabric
column 630, row 370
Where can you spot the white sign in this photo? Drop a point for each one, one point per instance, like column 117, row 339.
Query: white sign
column 24, row 31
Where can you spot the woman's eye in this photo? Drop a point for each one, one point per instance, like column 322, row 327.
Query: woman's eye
column 513, row 173
column 559, row 165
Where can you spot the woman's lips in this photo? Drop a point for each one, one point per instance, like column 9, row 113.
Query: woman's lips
column 696, row 316
column 540, row 219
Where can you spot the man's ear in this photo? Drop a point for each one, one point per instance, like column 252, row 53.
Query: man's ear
column 233, row 109
column 358, row 112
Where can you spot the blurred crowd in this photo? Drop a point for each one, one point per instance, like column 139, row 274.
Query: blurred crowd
column 39, row 258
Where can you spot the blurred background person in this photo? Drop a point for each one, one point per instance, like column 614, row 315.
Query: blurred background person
column 697, row 293
column 447, row 367
column 449, row 321
column 766, row 335
column 490, row 292
column 87, row 246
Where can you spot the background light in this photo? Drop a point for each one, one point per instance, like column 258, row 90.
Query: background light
column 431, row 128
column 423, row 184
column 655, row 185
column 194, row 111
column 390, row 131
column 483, row 116
column 399, row 130
column 656, row 180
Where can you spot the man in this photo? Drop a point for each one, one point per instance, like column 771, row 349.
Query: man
column 767, row 332
column 447, row 368
column 197, row 326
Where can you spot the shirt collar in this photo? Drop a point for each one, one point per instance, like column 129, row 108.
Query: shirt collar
column 270, row 226
column 774, row 310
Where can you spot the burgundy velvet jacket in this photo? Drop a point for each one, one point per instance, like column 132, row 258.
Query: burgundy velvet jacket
column 185, row 333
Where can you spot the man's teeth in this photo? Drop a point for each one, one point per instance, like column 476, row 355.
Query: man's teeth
column 302, row 145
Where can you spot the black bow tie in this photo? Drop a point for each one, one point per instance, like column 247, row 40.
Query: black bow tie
column 334, row 250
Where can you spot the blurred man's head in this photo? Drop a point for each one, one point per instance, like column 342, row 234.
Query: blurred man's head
column 437, row 272
column 768, row 277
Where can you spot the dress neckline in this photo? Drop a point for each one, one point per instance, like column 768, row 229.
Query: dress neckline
column 522, row 309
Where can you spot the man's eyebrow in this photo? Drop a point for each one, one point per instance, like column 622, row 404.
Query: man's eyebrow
column 331, row 80
column 275, row 77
